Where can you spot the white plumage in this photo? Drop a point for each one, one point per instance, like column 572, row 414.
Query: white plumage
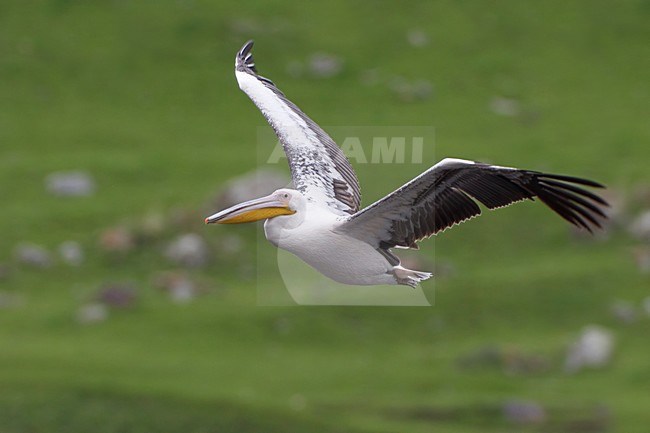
column 320, row 222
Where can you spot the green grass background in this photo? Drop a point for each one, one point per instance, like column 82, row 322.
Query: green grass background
column 141, row 94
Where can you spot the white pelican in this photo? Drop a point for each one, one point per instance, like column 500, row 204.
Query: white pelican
column 320, row 222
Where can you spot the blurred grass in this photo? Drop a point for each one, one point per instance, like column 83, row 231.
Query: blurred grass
column 142, row 95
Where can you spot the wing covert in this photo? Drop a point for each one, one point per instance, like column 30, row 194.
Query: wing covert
column 319, row 168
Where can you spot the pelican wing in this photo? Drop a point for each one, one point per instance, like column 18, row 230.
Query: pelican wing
column 448, row 192
column 318, row 167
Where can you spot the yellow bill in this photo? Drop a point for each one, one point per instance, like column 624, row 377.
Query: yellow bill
column 250, row 211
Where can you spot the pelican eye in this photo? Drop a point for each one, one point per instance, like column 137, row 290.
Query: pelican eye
column 285, row 195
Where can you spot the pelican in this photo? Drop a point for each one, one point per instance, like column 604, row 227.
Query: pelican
column 320, row 220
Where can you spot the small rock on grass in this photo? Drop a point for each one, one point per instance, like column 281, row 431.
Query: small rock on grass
column 640, row 226
column 71, row 253
column 93, row 312
column 524, row 412
column 188, row 250
column 411, row 90
column 593, row 348
column 33, row 255
column 117, row 295
column 178, row 285
column 70, row 183
column 509, row 360
column 324, row 65
column 152, row 225
column 505, row 106
column 117, row 240
column 624, row 311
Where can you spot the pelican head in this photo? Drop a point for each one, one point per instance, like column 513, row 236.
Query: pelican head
column 282, row 202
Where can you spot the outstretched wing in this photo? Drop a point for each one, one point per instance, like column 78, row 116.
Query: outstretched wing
column 446, row 194
column 318, row 167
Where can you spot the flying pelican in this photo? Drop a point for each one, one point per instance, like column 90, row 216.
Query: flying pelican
column 320, row 221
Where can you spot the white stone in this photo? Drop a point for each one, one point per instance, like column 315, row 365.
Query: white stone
column 524, row 412
column 593, row 349
column 33, row 255
column 640, row 227
column 505, row 106
column 92, row 313
column 70, row 183
column 323, row 65
column 188, row 250
column 71, row 253
column 624, row 311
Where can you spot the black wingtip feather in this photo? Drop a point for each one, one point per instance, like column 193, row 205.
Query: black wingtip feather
column 579, row 211
column 245, row 57
column 564, row 211
column 579, row 200
column 571, row 179
column 246, row 63
column 248, row 46
column 573, row 188
column 571, row 202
